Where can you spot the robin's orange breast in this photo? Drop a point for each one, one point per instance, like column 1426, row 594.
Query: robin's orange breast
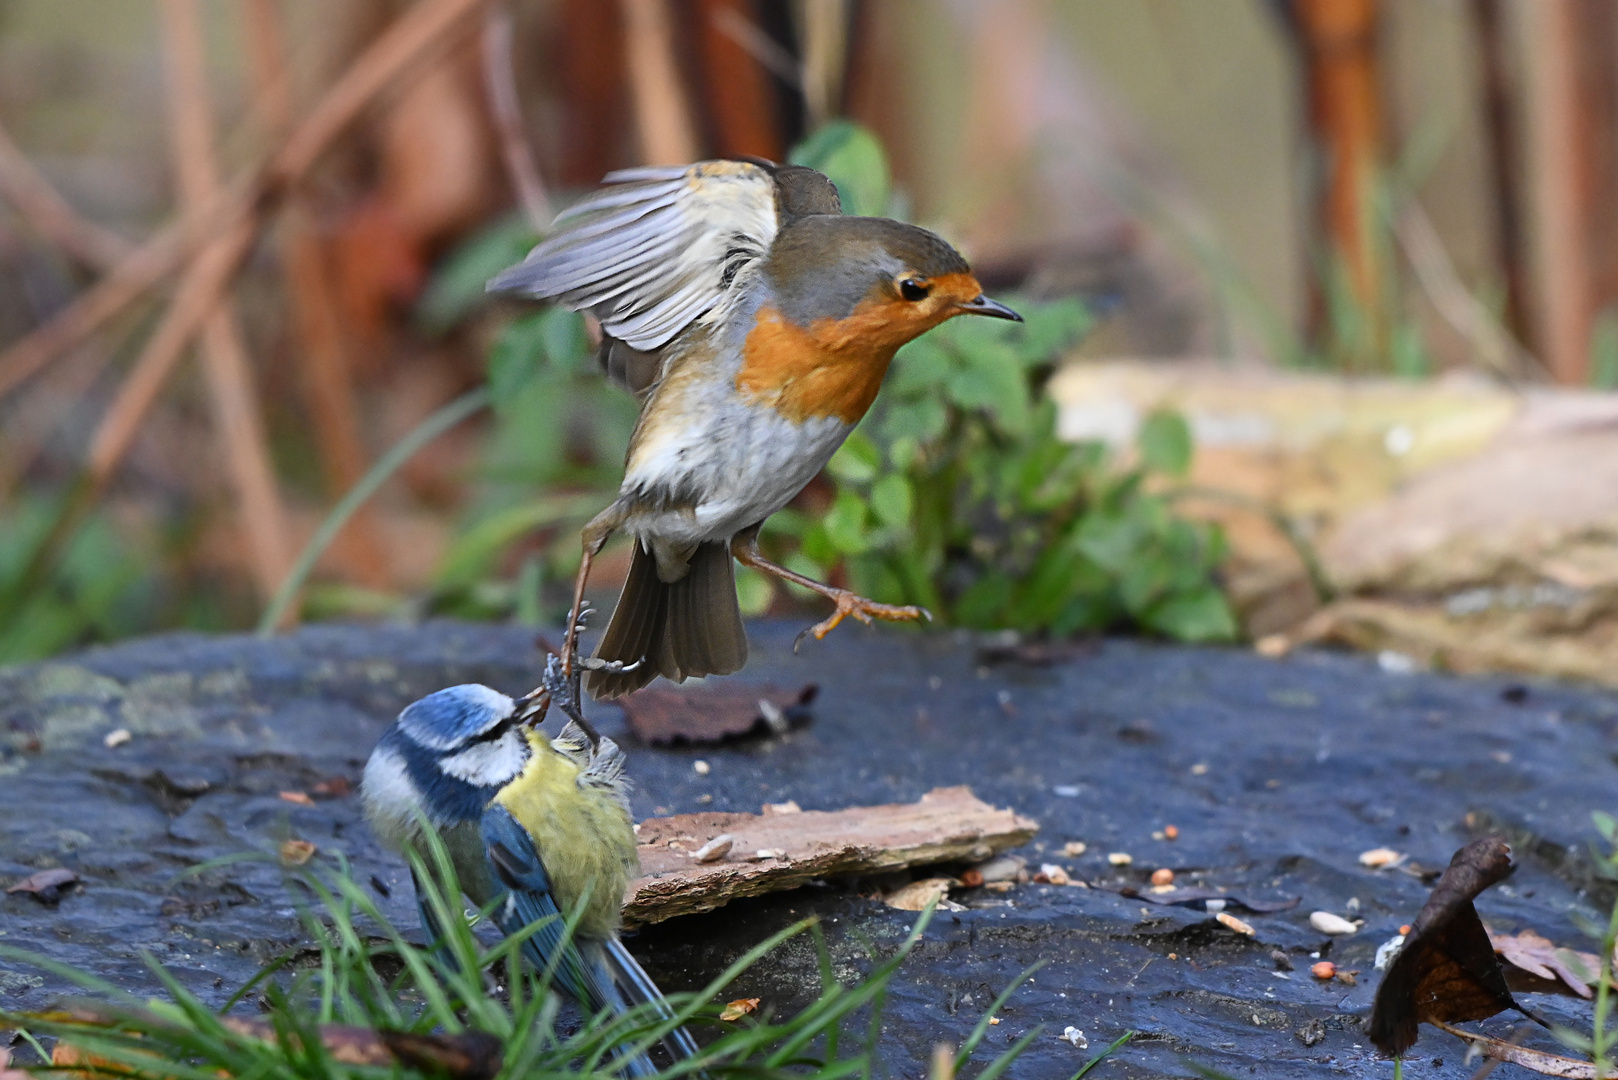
column 834, row 367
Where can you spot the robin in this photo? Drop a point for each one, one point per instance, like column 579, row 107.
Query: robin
column 756, row 323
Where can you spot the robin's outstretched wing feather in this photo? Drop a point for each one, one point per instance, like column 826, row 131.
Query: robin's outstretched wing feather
column 655, row 249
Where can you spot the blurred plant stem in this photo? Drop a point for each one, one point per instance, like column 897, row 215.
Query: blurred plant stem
column 440, row 421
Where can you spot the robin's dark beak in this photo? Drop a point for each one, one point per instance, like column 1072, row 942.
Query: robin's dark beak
column 993, row 308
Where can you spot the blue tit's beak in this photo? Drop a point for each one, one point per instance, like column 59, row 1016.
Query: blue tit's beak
column 992, row 308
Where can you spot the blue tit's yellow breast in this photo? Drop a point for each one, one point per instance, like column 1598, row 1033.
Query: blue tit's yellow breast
column 584, row 836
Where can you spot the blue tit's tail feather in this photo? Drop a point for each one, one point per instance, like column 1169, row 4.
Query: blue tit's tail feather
column 639, row 989
column 598, row 974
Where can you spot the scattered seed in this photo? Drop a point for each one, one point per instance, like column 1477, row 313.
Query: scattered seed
column 1171, row 831
column 1074, row 848
column 1200, row 769
column 1120, row 858
column 972, row 879
column 1404, row 928
column 1323, row 970
column 1052, row 874
column 1159, row 834
column 715, row 849
column 994, row 1021
column 1073, row 1035
column 299, row 797
column 1378, row 858
column 704, row 799
column 1273, row 646
column 1327, row 923
column 789, row 807
column 1234, row 923
column 700, row 767
column 116, row 738
column 1163, row 876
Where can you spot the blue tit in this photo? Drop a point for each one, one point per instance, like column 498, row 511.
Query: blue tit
column 541, row 825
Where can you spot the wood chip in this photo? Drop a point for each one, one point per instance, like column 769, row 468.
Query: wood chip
column 946, row 825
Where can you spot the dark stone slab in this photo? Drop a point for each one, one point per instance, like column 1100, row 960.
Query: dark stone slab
column 1309, row 762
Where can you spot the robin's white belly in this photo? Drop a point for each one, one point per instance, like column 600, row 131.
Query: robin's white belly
column 719, row 477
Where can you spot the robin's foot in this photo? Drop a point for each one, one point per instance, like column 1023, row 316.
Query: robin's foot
column 849, row 603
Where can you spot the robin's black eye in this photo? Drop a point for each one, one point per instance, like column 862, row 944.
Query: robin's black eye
column 913, row 289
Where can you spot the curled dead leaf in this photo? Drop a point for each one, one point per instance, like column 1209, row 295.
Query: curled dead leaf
column 1446, row 970
column 739, row 1008
column 296, row 852
column 1561, row 970
column 918, row 894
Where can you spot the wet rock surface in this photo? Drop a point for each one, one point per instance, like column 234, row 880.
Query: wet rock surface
column 1276, row 774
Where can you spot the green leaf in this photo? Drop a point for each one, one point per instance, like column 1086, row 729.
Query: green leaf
column 1165, row 443
column 999, row 389
column 1606, row 825
column 854, row 160
column 856, row 461
column 980, row 606
column 921, row 421
column 1202, row 615
column 517, row 356
column 892, row 501
column 457, row 285
column 754, row 591
column 846, row 523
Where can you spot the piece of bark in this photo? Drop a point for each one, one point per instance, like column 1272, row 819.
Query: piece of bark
column 712, row 712
column 946, row 825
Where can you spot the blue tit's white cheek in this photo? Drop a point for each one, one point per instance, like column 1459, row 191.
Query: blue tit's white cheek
column 488, row 764
column 391, row 799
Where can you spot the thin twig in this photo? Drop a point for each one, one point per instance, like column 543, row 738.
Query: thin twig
column 662, row 113
column 440, row 421
column 52, row 216
column 1492, row 345
column 423, row 32
column 238, row 423
column 500, row 84
column 322, row 358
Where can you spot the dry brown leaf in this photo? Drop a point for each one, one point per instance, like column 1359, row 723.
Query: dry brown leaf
column 47, row 886
column 739, row 1008
column 296, row 852
column 1542, row 958
column 713, row 712
column 1446, row 970
column 918, row 894
column 1534, row 1060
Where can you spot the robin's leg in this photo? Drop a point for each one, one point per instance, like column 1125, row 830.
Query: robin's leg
column 595, row 536
column 744, row 546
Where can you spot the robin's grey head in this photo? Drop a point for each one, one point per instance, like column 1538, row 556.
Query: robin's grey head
column 826, row 267
column 445, row 756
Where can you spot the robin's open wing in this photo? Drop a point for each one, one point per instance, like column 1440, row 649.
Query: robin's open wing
column 653, row 250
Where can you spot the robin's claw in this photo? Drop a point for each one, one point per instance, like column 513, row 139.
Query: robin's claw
column 865, row 611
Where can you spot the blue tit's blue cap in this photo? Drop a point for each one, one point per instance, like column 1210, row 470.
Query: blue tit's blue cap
column 451, row 717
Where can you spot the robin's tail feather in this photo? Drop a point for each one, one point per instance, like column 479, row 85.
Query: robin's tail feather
column 679, row 629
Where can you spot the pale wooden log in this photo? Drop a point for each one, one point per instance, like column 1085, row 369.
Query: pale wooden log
column 946, row 825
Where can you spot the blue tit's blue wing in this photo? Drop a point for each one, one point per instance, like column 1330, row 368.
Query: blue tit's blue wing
column 516, row 865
